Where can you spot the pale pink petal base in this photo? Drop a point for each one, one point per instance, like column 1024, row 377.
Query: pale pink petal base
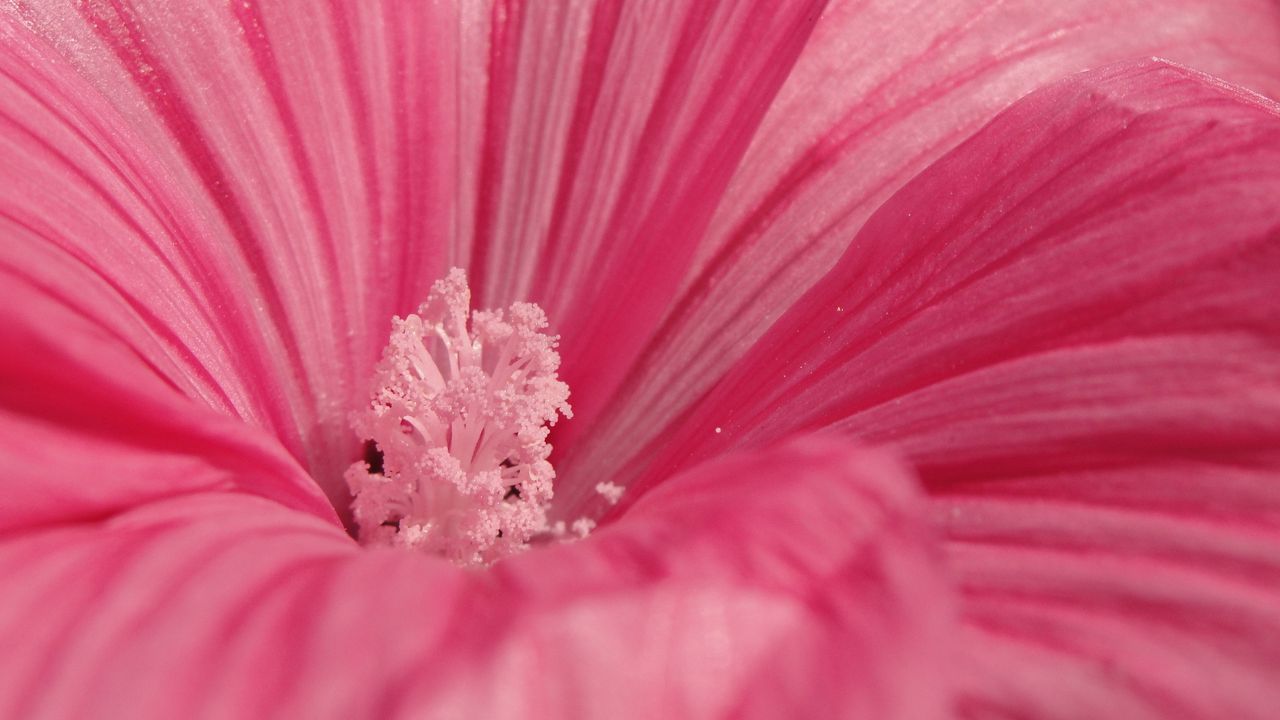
column 796, row 580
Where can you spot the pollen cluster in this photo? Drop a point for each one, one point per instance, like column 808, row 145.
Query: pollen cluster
column 460, row 410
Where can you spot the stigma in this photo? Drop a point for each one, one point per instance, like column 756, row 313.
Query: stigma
column 460, row 410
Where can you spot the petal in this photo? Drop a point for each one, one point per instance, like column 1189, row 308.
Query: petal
column 610, row 130
column 122, row 367
column 89, row 428
column 882, row 90
column 256, row 187
column 1069, row 326
column 798, row 580
column 1127, row 203
column 283, row 181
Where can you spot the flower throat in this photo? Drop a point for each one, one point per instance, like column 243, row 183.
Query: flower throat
column 460, row 410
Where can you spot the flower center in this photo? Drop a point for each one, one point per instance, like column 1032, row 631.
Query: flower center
column 460, row 410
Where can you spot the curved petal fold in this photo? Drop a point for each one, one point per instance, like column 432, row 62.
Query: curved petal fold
column 255, row 188
column 882, row 90
column 89, row 427
column 800, row 580
column 1068, row 325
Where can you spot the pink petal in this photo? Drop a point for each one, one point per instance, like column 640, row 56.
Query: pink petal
column 266, row 183
column 795, row 582
column 1124, row 204
column 1069, row 326
column 883, row 89
column 251, row 188
column 610, row 131
column 89, row 428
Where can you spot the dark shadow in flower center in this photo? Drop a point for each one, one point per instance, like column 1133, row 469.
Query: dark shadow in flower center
column 373, row 457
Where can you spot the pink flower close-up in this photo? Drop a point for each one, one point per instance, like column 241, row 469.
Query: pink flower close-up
column 640, row 359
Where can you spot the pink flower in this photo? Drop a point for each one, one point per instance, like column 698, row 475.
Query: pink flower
column 770, row 235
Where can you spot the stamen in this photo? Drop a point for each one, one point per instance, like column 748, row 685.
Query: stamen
column 612, row 492
column 583, row 526
column 460, row 412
